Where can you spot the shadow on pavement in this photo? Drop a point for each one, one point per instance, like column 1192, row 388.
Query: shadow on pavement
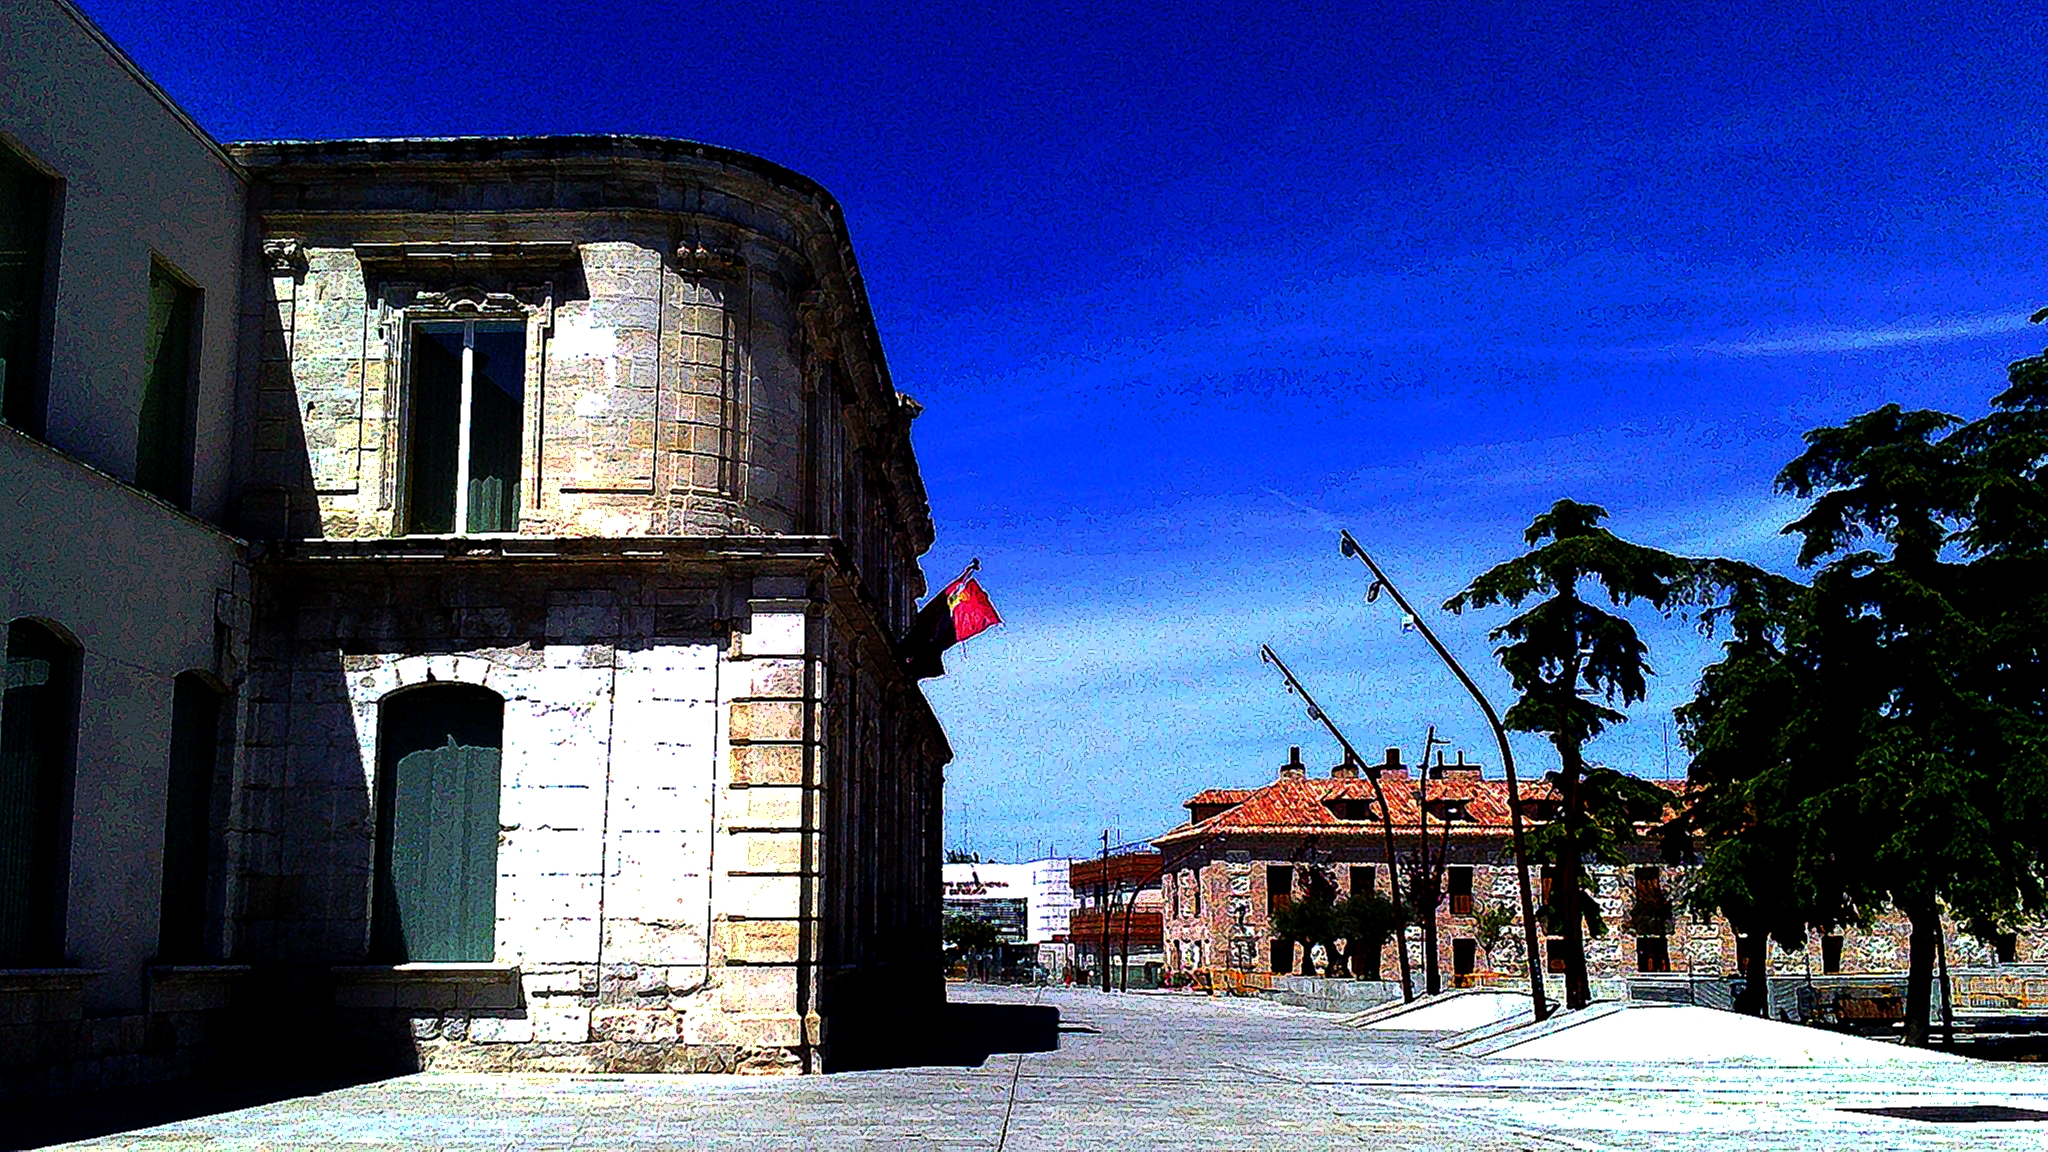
column 88, row 1115
column 963, row 1036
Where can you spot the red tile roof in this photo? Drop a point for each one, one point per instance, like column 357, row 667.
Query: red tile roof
column 1296, row 806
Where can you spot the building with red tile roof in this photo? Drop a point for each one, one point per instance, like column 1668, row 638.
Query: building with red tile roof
column 1245, row 852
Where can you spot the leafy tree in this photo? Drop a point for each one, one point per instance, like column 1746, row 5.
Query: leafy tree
column 1308, row 922
column 1565, row 655
column 1763, row 862
column 1918, row 750
column 1490, row 924
column 1365, row 921
column 968, row 936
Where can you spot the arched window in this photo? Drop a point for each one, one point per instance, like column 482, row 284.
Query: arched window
column 188, row 817
column 38, row 723
column 437, row 824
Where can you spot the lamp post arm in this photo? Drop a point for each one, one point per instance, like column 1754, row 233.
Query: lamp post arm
column 1349, row 546
column 1372, row 773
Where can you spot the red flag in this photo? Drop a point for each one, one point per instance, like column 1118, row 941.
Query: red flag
column 960, row 610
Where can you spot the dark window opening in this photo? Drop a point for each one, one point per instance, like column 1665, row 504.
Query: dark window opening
column 1553, row 951
column 1464, row 957
column 1649, row 884
column 1283, row 957
column 1279, row 887
column 1346, row 809
column 437, row 824
column 1363, row 879
column 1653, row 954
column 188, row 819
column 1747, row 952
column 1830, row 954
column 163, row 438
column 2007, row 946
column 465, row 426
column 38, row 726
column 1460, row 881
column 28, row 200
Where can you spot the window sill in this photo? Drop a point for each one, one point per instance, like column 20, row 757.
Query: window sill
column 429, row 985
column 46, row 979
column 193, row 987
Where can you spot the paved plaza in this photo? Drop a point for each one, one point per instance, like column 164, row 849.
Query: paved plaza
column 1146, row 1071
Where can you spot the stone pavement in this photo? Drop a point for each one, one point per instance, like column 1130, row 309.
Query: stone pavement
column 1151, row 1071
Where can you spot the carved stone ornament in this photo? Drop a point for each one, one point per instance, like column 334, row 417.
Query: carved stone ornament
column 694, row 255
column 284, row 256
column 469, row 299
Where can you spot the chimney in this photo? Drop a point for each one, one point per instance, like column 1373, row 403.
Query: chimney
column 1461, row 767
column 1393, row 763
column 1294, row 769
column 1348, row 770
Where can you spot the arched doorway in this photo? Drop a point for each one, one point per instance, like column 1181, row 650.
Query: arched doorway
column 38, row 726
column 438, row 749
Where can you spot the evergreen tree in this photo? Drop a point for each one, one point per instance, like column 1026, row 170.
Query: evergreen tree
column 1915, row 752
column 1565, row 656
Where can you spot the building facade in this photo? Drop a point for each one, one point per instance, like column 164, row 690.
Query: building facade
column 1029, row 902
column 1116, row 922
column 476, row 567
column 1246, row 852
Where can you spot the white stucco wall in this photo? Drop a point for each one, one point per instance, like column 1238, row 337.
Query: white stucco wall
column 138, row 180
column 140, row 587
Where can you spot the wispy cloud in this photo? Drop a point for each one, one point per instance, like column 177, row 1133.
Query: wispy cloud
column 1905, row 333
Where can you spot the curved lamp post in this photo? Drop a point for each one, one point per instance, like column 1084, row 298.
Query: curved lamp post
column 1350, row 547
column 1372, row 772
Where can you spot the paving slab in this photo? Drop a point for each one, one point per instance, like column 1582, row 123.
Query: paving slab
column 1162, row 1071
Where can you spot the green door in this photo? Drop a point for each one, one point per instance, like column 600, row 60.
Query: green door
column 438, row 825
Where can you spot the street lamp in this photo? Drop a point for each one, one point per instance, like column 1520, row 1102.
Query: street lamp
column 1350, row 547
column 1372, row 772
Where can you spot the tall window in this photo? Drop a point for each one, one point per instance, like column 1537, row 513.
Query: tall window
column 1362, row 879
column 27, row 198
column 38, row 721
column 464, row 426
column 163, row 440
column 1279, row 887
column 1460, row 878
column 188, row 818
column 437, row 824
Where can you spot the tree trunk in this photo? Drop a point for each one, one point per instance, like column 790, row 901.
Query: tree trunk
column 1755, row 972
column 1427, row 901
column 1920, row 972
column 1578, row 991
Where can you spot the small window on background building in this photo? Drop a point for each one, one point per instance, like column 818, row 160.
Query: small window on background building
column 27, row 200
column 163, row 436
column 1460, row 881
column 1464, row 957
column 1283, row 957
column 2007, row 946
column 1363, row 879
column 1553, row 951
column 1747, row 952
column 1653, row 954
column 1196, row 891
column 465, row 426
column 1279, row 887
column 1830, row 954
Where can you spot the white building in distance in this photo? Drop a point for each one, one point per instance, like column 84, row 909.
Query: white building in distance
column 1027, row 902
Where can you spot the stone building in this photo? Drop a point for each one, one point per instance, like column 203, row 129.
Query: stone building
column 1246, row 851
column 465, row 580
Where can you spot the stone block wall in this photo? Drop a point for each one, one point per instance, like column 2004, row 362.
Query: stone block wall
column 670, row 753
column 699, row 358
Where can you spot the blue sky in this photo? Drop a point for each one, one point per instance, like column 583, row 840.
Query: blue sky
column 1183, row 290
